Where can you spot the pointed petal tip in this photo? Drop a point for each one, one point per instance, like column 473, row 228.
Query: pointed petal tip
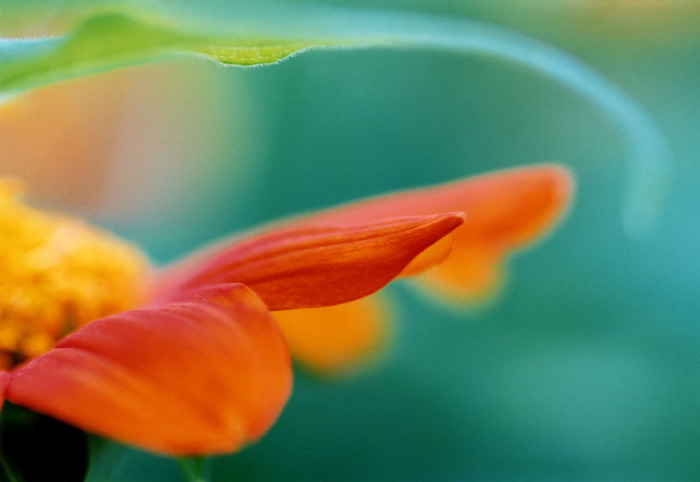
column 368, row 258
column 307, row 266
column 447, row 221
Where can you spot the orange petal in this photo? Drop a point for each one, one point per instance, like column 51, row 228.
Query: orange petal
column 505, row 211
column 315, row 266
column 330, row 340
column 196, row 376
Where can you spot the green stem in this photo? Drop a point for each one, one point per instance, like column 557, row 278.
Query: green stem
column 10, row 476
column 196, row 469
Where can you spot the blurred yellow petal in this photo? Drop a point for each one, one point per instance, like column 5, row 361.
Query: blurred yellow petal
column 332, row 340
column 471, row 276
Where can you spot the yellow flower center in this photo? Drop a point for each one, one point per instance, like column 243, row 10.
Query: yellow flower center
column 57, row 274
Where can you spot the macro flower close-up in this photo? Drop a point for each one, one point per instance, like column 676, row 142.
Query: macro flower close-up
column 305, row 241
column 200, row 367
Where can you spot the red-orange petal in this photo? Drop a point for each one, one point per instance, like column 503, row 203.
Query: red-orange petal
column 331, row 340
column 313, row 266
column 4, row 380
column 505, row 210
column 200, row 375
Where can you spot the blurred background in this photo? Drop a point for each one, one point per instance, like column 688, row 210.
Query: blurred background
column 586, row 367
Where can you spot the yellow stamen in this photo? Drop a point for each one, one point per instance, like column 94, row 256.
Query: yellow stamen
column 57, row 274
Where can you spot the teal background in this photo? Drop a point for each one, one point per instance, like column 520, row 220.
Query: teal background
column 586, row 367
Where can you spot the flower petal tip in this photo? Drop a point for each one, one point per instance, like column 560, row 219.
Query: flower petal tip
column 563, row 184
column 309, row 266
column 506, row 211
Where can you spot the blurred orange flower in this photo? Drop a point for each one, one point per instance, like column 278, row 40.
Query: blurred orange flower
column 119, row 144
column 189, row 359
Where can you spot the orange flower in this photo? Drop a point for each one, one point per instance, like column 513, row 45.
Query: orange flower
column 504, row 211
column 189, row 359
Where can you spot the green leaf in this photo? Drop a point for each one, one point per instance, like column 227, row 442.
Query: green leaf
column 110, row 35
column 112, row 40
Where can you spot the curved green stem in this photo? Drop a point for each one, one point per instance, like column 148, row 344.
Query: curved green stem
column 118, row 34
column 196, row 469
column 648, row 151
